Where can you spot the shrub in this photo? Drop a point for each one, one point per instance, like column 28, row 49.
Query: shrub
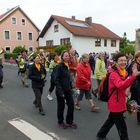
column 8, row 55
column 18, row 49
column 59, row 49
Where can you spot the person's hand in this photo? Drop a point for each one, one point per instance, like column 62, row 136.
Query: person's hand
column 42, row 76
column 135, row 71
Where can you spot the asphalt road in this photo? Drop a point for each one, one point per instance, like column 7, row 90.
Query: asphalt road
column 16, row 101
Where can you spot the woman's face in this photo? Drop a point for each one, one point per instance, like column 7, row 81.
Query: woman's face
column 122, row 61
column 37, row 59
column 138, row 59
column 66, row 57
column 86, row 59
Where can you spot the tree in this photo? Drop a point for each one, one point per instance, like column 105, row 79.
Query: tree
column 18, row 49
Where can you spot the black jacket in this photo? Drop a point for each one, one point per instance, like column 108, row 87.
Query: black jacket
column 35, row 76
column 62, row 79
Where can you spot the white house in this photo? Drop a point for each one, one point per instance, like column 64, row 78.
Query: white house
column 84, row 36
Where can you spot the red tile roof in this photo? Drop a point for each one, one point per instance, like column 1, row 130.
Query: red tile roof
column 93, row 30
column 6, row 14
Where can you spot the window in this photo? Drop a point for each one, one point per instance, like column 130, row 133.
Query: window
column 105, row 43
column 19, row 37
column 98, row 43
column 30, row 36
column 56, row 28
column 30, row 49
column 7, row 49
column 23, row 21
column 7, row 35
column 113, row 43
column 13, row 20
column 49, row 43
column 65, row 41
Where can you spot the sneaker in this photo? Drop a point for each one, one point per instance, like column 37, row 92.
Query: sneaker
column 77, row 107
column 62, row 126
column 73, row 125
column 49, row 97
column 1, row 86
column 95, row 109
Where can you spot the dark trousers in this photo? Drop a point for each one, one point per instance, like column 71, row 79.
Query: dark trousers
column 52, row 86
column 61, row 106
column 1, row 79
column 118, row 120
column 135, row 95
column 38, row 94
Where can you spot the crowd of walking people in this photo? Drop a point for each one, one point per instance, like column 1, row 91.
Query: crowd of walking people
column 71, row 77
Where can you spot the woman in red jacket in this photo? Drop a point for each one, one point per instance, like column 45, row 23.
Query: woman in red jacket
column 117, row 102
column 83, row 83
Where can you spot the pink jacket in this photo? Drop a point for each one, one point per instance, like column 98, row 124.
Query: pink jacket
column 116, row 80
column 83, row 78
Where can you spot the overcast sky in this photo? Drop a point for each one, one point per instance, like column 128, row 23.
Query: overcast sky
column 118, row 15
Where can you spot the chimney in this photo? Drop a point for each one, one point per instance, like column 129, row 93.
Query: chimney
column 88, row 20
column 73, row 17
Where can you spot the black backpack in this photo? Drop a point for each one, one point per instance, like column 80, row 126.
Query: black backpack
column 103, row 89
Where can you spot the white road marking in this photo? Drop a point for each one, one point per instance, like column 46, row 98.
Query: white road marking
column 31, row 131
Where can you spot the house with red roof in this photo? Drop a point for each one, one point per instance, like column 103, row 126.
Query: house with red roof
column 17, row 29
column 84, row 36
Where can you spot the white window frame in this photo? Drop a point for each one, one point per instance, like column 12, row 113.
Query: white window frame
column 56, row 29
column 32, row 36
column 9, row 35
column 12, row 21
column 22, row 22
column 17, row 35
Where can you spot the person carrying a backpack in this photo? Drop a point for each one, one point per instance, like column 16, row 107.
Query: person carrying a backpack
column 117, row 102
column 52, row 67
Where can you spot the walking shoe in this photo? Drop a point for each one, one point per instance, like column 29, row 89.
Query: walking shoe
column 77, row 107
column 99, row 138
column 42, row 112
column 49, row 97
column 95, row 109
column 1, row 86
column 62, row 126
column 73, row 125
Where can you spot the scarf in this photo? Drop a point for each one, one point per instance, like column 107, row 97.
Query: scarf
column 37, row 66
column 122, row 72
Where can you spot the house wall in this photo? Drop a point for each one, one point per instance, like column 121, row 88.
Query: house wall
column 55, row 36
column 81, row 44
column 6, row 24
column 87, row 44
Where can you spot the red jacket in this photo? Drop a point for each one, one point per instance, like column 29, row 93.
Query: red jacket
column 83, row 79
column 116, row 80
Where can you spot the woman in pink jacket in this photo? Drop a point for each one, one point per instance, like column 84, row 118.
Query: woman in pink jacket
column 83, row 83
column 117, row 103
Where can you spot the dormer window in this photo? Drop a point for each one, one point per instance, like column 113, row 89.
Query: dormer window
column 23, row 21
column 14, row 20
column 56, row 28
